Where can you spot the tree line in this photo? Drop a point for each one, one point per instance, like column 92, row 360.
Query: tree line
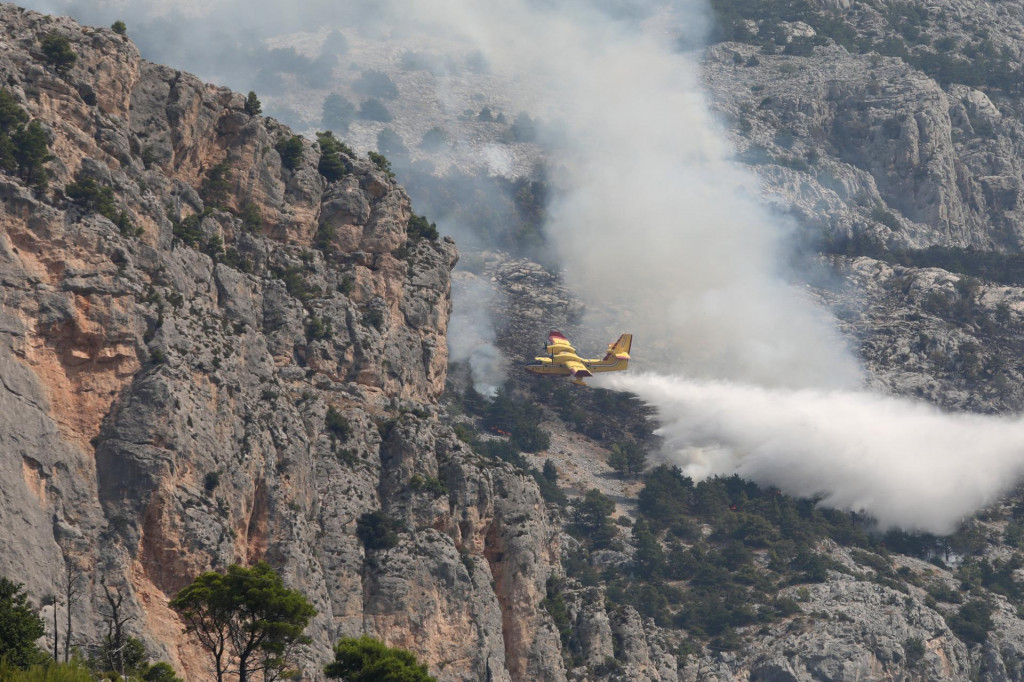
column 246, row 620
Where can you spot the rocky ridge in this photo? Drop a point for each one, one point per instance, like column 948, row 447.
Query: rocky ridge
column 239, row 370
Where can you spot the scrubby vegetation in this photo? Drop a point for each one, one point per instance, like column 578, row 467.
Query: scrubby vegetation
column 24, row 146
column 290, row 149
column 709, row 583
column 97, row 198
column 512, row 427
column 337, row 426
column 992, row 266
column 334, row 157
column 216, row 187
column 365, row 659
column 377, row 531
column 253, row 107
column 911, row 32
column 58, row 53
column 421, row 228
column 381, row 162
column 21, row 660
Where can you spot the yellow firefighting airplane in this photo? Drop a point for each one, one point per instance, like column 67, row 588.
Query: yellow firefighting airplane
column 562, row 359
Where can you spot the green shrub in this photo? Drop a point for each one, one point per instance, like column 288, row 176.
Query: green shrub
column 420, row 228
column 914, row 650
column 188, row 231
column 297, row 285
column 29, row 150
column 549, row 489
column 428, row 484
column 881, row 214
column 502, row 450
column 97, row 198
column 333, row 164
column 554, row 604
column 318, row 329
column 253, row 107
column 665, row 497
column 20, row 626
column 628, row 459
column 381, row 162
column 58, row 53
column 337, row 426
column 92, row 196
column 252, row 217
column 217, row 185
column 942, row 592
column 119, row 28
column 591, row 518
column 368, row 660
column 518, row 419
column 374, row 317
column 290, row 149
column 973, row 621
column 377, row 531
column 11, row 114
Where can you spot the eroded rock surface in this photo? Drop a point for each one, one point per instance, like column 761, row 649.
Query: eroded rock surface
column 241, row 367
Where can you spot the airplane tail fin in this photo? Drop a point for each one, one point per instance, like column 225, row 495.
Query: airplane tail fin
column 620, row 349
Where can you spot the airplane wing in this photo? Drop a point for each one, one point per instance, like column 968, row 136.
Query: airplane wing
column 578, row 369
column 559, row 340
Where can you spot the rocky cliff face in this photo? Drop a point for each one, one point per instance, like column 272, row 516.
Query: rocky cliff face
column 237, row 367
column 899, row 124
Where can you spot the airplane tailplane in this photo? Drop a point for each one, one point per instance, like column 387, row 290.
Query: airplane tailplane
column 619, row 348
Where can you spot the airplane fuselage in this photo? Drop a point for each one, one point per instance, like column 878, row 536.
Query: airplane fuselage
column 557, row 364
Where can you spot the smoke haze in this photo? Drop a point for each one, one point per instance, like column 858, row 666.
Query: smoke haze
column 665, row 236
column 471, row 333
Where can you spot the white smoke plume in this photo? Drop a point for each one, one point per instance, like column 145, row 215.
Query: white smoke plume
column 658, row 225
column 908, row 464
column 471, row 333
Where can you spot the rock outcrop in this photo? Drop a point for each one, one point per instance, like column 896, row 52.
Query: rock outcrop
column 235, row 362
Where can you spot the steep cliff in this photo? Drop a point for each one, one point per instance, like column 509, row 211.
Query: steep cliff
column 896, row 124
column 235, row 360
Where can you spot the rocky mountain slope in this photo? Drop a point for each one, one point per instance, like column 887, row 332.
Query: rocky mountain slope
column 235, row 361
column 893, row 123
column 231, row 357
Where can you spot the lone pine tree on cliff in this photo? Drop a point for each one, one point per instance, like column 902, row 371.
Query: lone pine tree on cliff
column 246, row 618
